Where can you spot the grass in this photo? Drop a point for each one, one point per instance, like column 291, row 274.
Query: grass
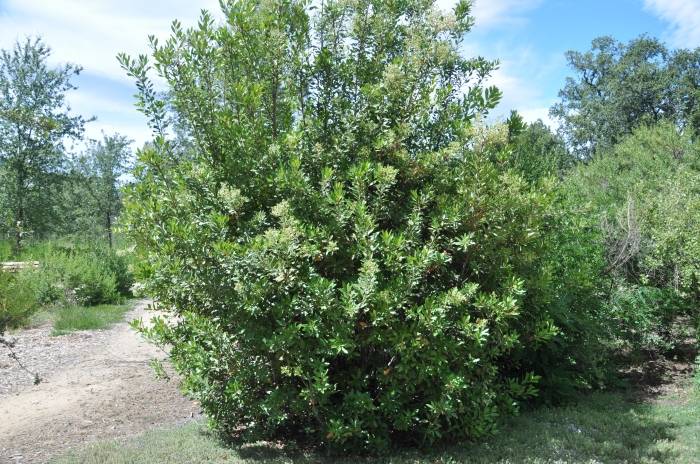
column 72, row 318
column 602, row 427
column 39, row 318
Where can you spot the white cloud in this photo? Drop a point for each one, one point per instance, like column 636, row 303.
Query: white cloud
column 91, row 33
column 492, row 13
column 683, row 17
column 520, row 93
column 113, row 115
column 84, row 101
column 138, row 133
column 542, row 113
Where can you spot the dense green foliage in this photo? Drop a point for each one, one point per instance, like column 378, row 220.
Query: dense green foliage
column 17, row 302
column 644, row 198
column 350, row 262
column 645, row 194
column 535, row 151
column 619, row 86
column 83, row 274
column 530, row 150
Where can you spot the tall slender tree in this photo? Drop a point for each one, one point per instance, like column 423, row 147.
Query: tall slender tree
column 35, row 122
column 100, row 170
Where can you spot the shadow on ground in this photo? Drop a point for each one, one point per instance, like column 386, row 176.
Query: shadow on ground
column 603, row 427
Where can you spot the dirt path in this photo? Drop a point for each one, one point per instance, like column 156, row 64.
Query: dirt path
column 96, row 385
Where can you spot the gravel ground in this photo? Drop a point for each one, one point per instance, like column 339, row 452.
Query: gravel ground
column 43, row 354
column 95, row 385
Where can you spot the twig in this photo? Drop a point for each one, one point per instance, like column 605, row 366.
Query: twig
column 10, row 345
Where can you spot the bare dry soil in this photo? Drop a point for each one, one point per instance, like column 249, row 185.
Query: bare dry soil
column 95, row 385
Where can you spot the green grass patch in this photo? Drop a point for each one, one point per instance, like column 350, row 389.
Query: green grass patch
column 72, row 318
column 603, row 427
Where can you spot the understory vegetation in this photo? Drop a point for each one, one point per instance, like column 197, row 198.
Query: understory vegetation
column 72, row 318
column 73, row 281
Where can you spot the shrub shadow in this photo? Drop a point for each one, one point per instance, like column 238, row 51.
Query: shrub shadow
column 601, row 427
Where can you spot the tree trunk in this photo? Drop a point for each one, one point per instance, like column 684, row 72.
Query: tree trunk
column 109, row 230
column 19, row 211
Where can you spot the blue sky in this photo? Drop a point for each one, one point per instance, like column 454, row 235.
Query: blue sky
column 529, row 37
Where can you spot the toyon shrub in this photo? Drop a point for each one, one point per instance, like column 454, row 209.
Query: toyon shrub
column 347, row 267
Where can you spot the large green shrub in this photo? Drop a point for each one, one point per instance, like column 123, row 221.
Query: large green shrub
column 118, row 264
column 90, row 282
column 345, row 265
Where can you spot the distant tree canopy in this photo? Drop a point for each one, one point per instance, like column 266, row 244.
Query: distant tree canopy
column 536, row 152
column 618, row 86
column 34, row 124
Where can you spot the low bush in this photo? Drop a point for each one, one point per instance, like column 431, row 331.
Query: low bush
column 82, row 274
column 45, row 282
column 90, row 280
column 17, row 302
column 118, row 264
column 641, row 318
column 72, row 274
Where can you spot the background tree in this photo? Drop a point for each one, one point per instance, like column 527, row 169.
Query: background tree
column 531, row 150
column 534, row 150
column 618, row 86
column 34, row 123
column 98, row 173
